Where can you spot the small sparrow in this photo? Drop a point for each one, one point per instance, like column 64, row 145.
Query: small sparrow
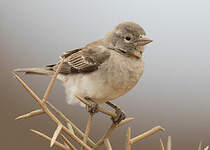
column 104, row 69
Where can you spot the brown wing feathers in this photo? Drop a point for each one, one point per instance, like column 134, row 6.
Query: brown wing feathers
column 76, row 61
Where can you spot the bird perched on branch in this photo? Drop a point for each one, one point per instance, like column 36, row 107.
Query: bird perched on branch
column 104, row 69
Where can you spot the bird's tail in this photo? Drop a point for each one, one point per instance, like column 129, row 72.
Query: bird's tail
column 39, row 71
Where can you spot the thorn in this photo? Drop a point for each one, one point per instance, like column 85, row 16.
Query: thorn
column 55, row 135
column 31, row 114
column 200, row 145
column 161, row 145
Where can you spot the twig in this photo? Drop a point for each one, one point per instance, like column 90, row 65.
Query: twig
column 83, row 100
column 28, row 89
column 46, row 95
column 109, row 132
column 106, row 135
column 67, row 131
column 200, row 146
column 128, row 137
column 161, row 145
column 90, row 119
column 146, row 134
column 124, row 122
column 169, row 143
column 107, row 144
column 55, row 135
column 72, row 128
column 46, row 110
column 49, row 139
column 77, row 131
column 31, row 114
column 112, row 114
column 68, row 143
column 69, row 126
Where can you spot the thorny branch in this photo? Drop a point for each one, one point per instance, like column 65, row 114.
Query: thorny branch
column 72, row 130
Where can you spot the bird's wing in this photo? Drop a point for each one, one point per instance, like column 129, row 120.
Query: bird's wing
column 82, row 60
column 70, row 52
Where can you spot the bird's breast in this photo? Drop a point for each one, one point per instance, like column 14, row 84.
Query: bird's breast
column 115, row 77
column 121, row 73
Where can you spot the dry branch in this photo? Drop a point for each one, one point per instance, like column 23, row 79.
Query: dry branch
column 125, row 121
column 90, row 119
column 76, row 130
column 55, row 135
column 72, row 129
column 107, row 144
column 128, row 137
column 46, row 95
column 69, row 126
column 169, row 143
column 28, row 89
column 68, row 143
column 207, row 147
column 161, row 145
column 112, row 114
column 146, row 134
column 109, row 132
column 31, row 114
column 47, row 111
column 199, row 146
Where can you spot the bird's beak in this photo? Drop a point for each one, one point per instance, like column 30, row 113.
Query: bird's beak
column 143, row 41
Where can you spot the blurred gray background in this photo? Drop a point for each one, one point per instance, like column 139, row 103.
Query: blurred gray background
column 173, row 92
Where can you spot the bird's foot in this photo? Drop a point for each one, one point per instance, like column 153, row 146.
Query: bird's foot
column 120, row 116
column 93, row 108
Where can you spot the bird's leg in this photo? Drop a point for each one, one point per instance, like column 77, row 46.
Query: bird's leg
column 93, row 108
column 120, row 114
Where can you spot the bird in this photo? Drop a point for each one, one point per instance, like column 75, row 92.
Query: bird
column 102, row 70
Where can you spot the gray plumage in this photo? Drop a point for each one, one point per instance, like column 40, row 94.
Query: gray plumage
column 105, row 69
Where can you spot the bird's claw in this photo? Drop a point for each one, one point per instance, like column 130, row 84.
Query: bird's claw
column 120, row 116
column 93, row 108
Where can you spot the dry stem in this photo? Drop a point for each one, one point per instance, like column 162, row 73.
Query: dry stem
column 31, row 114
column 161, row 145
column 68, row 142
column 90, row 119
column 112, row 114
column 77, row 131
column 72, row 127
column 128, row 137
column 46, row 95
column 199, row 146
column 107, row 144
column 46, row 110
column 109, row 132
column 55, row 135
column 207, row 147
column 69, row 126
column 169, row 143
column 146, row 134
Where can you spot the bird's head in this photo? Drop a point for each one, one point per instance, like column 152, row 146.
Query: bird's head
column 127, row 38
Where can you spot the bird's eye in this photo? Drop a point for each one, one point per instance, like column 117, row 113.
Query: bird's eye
column 128, row 38
column 140, row 36
column 141, row 52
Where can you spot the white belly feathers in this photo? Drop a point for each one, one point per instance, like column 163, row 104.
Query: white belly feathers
column 114, row 78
